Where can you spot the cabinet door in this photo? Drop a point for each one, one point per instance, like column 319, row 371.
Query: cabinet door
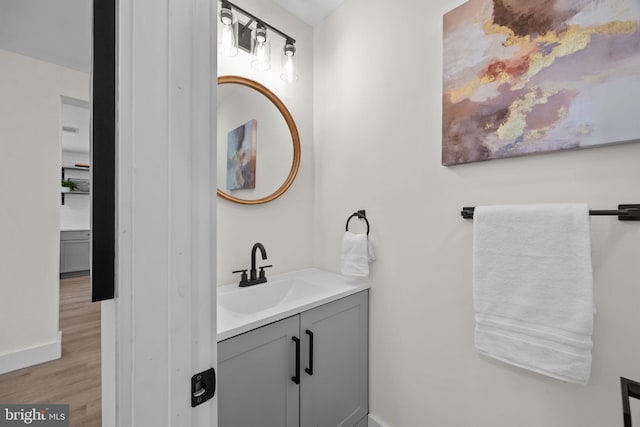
column 74, row 255
column 335, row 392
column 255, row 371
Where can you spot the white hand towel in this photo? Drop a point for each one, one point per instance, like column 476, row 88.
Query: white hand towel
column 357, row 253
column 533, row 288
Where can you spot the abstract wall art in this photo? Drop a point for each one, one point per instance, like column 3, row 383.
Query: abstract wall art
column 531, row 76
column 241, row 156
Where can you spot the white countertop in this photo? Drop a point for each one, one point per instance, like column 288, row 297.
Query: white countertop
column 243, row 309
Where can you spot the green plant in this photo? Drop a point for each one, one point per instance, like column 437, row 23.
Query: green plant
column 68, row 183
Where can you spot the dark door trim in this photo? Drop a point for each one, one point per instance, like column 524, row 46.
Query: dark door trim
column 103, row 149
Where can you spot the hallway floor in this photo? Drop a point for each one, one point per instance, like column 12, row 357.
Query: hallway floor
column 75, row 378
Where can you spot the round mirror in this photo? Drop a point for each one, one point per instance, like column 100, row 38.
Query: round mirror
column 258, row 142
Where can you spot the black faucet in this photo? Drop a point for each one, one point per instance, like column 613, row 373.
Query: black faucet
column 254, row 277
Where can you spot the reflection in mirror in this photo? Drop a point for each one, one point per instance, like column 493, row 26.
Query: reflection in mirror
column 258, row 146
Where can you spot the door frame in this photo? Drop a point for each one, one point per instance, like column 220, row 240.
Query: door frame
column 161, row 327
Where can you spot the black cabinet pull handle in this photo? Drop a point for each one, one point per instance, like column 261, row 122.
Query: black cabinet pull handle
column 296, row 377
column 309, row 370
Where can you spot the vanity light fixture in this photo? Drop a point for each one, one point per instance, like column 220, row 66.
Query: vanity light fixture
column 233, row 34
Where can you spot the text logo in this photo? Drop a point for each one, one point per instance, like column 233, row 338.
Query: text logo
column 34, row 415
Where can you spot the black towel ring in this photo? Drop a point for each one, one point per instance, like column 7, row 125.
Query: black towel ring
column 360, row 214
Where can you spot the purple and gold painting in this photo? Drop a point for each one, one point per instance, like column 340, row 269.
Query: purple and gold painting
column 530, row 76
column 241, row 156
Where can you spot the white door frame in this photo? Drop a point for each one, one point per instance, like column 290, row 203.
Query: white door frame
column 161, row 328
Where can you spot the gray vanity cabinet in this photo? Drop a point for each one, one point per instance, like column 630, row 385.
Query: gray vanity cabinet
column 336, row 392
column 256, row 370
column 254, row 377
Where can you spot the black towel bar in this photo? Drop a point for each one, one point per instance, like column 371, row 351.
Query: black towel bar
column 629, row 389
column 360, row 214
column 624, row 212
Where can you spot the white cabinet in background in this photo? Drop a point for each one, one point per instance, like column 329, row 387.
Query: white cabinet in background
column 309, row 370
column 75, row 247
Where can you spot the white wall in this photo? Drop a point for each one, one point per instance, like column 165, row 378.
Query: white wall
column 284, row 225
column 30, row 119
column 377, row 111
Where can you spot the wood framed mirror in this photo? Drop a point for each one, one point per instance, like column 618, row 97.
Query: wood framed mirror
column 258, row 142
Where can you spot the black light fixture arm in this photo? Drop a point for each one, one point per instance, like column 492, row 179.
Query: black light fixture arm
column 258, row 20
column 246, row 26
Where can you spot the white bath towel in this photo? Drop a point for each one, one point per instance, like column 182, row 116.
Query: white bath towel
column 533, row 288
column 357, row 253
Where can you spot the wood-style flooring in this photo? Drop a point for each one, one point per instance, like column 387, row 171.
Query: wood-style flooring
column 75, row 378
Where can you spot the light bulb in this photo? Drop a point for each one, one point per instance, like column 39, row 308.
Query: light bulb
column 228, row 31
column 289, row 72
column 261, row 49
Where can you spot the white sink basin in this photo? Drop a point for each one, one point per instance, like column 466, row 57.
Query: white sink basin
column 256, row 298
column 243, row 309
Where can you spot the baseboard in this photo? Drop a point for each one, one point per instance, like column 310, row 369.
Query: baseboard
column 376, row 422
column 71, row 274
column 31, row 356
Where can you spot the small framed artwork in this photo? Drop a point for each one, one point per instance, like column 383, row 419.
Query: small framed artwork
column 241, row 156
column 532, row 76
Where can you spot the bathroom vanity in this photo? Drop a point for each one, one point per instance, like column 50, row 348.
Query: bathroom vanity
column 306, row 366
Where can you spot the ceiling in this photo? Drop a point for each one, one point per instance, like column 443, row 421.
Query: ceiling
column 60, row 31
column 53, row 31
column 310, row 11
